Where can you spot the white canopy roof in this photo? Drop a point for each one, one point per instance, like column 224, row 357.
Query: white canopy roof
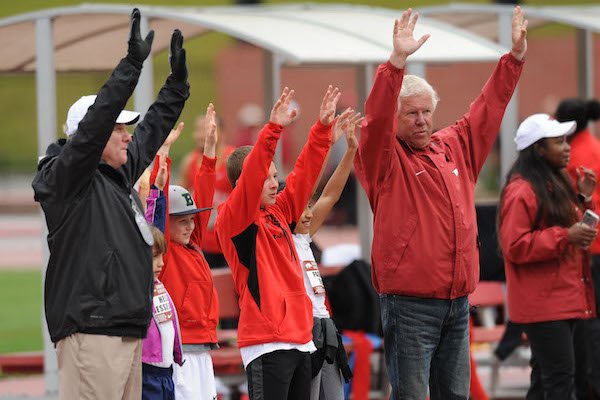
column 89, row 37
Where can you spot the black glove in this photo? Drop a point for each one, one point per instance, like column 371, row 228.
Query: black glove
column 177, row 57
column 138, row 49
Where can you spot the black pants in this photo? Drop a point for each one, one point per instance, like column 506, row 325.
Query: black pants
column 593, row 333
column 280, row 375
column 553, row 359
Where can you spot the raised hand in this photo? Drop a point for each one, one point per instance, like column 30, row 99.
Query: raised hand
column 586, row 181
column 173, row 135
column 210, row 127
column 353, row 123
column 138, row 49
column 177, row 57
column 519, row 34
column 281, row 113
column 162, row 175
column 404, row 41
column 340, row 125
column 329, row 105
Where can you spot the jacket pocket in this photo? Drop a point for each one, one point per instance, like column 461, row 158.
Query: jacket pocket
column 391, row 242
column 297, row 314
column 196, row 304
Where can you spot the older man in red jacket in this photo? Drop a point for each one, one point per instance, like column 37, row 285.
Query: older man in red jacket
column 421, row 189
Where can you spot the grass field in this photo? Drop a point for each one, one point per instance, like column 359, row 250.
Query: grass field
column 18, row 129
column 21, row 311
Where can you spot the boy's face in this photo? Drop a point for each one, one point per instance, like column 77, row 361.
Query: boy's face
column 157, row 262
column 269, row 192
column 304, row 225
column 181, row 228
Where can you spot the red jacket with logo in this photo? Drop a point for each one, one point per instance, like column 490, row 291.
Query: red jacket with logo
column 585, row 150
column 547, row 278
column 186, row 274
column 257, row 242
column 425, row 229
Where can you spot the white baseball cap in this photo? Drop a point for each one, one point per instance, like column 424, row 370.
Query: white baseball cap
column 539, row 126
column 80, row 108
column 181, row 202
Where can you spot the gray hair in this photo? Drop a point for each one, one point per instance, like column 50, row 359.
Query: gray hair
column 413, row 85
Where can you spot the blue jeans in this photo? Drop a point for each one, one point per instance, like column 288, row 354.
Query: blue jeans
column 426, row 340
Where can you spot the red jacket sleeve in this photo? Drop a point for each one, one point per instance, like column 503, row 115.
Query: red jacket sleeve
column 378, row 130
column 153, row 174
column 204, row 192
column 240, row 208
column 521, row 244
column 301, row 181
column 480, row 126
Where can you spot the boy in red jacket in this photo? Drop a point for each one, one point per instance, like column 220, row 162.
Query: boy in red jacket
column 186, row 274
column 254, row 230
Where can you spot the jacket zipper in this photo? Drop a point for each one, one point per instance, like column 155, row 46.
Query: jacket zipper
column 275, row 221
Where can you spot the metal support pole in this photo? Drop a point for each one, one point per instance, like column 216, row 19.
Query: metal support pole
column 364, row 83
column 45, row 80
column 276, row 62
column 144, row 91
column 508, row 152
column 416, row 68
column 585, row 69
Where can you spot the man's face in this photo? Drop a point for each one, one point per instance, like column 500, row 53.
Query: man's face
column 115, row 151
column 269, row 192
column 415, row 120
column 181, row 228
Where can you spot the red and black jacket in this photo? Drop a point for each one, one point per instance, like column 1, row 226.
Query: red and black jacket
column 257, row 242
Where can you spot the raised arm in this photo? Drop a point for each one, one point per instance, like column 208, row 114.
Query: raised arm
column 347, row 123
column 301, row 181
column 479, row 128
column 379, row 129
column 72, row 169
column 240, row 208
column 160, row 177
column 204, row 182
column 150, row 134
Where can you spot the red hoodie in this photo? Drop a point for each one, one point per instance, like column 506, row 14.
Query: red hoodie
column 186, row 274
column 257, row 242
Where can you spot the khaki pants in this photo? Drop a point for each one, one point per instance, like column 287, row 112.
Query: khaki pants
column 99, row 367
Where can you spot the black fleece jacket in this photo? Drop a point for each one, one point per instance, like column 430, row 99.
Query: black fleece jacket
column 99, row 276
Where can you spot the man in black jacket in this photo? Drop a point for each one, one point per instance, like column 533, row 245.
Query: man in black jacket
column 98, row 285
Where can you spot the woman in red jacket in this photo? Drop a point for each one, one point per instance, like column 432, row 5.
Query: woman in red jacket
column 545, row 250
column 585, row 150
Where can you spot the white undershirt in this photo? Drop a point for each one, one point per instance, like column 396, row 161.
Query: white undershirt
column 302, row 242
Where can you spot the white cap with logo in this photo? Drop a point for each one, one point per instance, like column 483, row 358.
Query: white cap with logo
column 539, row 126
column 80, row 108
column 181, row 202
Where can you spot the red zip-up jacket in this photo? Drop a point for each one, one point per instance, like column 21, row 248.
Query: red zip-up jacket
column 547, row 278
column 186, row 274
column 585, row 150
column 257, row 242
column 425, row 229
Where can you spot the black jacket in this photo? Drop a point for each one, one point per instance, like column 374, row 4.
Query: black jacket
column 99, row 276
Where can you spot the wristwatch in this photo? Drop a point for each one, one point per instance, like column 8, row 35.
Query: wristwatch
column 583, row 198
